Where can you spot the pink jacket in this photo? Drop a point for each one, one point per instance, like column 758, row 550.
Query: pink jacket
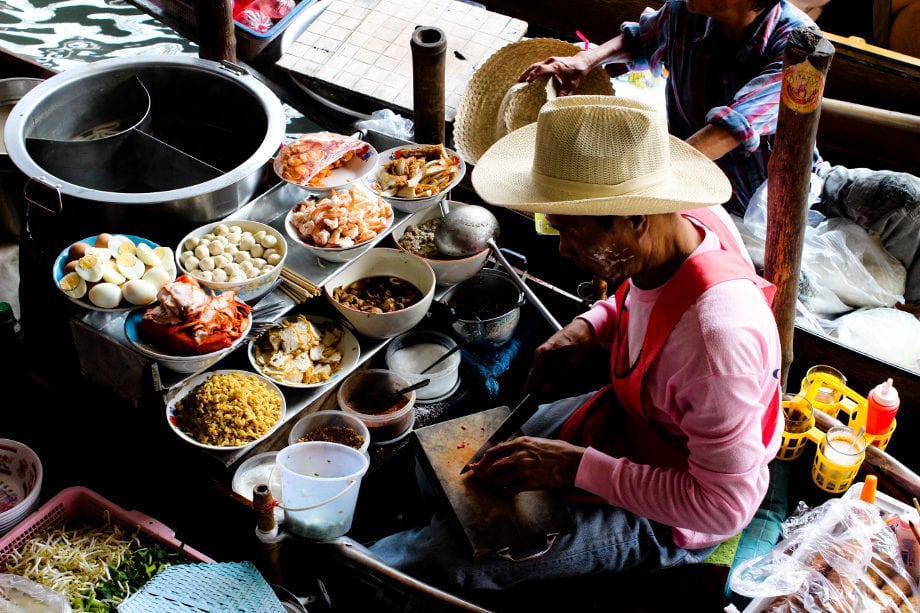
column 709, row 389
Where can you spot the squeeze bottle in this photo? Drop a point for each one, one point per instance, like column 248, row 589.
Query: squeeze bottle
column 883, row 403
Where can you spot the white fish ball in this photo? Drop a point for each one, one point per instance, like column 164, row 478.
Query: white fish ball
column 206, row 263
column 246, row 242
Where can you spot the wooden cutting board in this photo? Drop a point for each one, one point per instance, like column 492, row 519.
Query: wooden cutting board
column 362, row 47
column 490, row 522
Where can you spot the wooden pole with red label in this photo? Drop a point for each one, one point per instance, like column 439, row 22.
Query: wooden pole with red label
column 806, row 61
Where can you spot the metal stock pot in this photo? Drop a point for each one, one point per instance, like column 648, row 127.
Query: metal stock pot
column 140, row 145
column 485, row 309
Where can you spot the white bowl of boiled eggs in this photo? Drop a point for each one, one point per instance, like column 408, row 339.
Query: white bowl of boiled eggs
column 113, row 272
column 241, row 255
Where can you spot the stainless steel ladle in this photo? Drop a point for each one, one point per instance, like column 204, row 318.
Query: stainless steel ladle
column 468, row 230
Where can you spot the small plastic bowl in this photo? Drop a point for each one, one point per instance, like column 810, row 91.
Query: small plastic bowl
column 330, row 419
column 385, row 427
column 410, row 353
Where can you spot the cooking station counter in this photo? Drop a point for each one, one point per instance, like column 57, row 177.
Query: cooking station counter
column 98, row 334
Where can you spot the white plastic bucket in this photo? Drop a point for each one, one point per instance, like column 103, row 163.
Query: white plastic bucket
column 319, row 487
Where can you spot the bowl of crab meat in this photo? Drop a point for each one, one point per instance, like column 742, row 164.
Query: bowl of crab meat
column 190, row 328
column 341, row 226
column 413, row 179
column 383, row 293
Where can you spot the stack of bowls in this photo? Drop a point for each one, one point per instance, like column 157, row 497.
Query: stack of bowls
column 20, row 483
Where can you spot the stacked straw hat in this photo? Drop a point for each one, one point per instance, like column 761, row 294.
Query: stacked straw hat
column 598, row 155
column 494, row 103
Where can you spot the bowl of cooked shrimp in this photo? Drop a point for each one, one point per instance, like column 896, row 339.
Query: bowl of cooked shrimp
column 340, row 226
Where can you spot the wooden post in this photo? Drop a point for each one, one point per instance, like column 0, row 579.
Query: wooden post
column 806, row 61
column 264, row 504
column 216, row 34
column 428, row 59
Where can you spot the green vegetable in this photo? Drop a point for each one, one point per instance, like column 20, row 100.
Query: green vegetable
column 137, row 567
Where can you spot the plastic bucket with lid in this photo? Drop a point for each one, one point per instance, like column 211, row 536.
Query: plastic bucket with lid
column 319, row 487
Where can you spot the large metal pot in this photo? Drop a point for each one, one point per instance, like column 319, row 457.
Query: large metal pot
column 11, row 180
column 140, row 145
column 485, row 309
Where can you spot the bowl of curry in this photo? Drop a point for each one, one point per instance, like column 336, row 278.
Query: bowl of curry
column 384, row 293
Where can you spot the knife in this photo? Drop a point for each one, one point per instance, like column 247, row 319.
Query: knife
column 521, row 413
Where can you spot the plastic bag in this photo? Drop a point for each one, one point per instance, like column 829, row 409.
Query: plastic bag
column 310, row 158
column 839, row 556
column 387, row 122
column 21, row 595
column 890, row 334
column 842, row 269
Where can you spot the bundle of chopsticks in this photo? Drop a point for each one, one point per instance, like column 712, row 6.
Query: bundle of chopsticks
column 297, row 287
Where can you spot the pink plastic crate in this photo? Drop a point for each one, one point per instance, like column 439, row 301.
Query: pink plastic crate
column 79, row 504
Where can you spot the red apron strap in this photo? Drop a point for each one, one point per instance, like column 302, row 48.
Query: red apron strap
column 586, row 425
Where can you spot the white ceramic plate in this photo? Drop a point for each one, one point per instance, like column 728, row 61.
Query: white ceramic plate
column 259, row 470
column 57, row 273
column 348, row 346
column 345, row 175
column 189, row 384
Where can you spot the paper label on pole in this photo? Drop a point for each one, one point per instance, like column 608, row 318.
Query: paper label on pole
column 803, row 86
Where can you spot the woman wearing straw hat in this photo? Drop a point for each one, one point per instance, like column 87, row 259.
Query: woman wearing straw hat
column 670, row 459
column 724, row 60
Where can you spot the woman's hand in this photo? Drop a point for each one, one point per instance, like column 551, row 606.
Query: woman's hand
column 568, row 71
column 557, row 359
column 528, row 463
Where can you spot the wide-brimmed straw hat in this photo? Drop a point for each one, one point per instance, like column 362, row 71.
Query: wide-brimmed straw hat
column 598, row 155
column 494, row 103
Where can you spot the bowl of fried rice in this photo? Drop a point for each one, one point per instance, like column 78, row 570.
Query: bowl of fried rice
column 225, row 410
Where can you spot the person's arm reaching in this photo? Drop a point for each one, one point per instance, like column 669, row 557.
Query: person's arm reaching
column 570, row 70
column 714, row 141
